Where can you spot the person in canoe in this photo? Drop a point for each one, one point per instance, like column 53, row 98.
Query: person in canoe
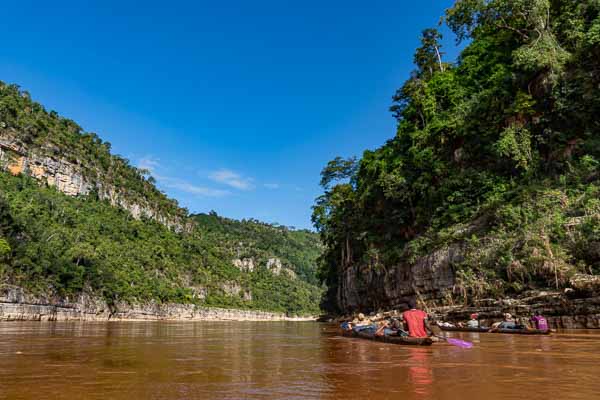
column 363, row 324
column 398, row 325
column 507, row 323
column 523, row 323
column 357, row 324
column 384, row 328
column 390, row 327
column 474, row 321
column 539, row 322
column 415, row 321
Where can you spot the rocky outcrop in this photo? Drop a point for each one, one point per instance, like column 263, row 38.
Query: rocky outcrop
column 244, row 265
column 274, row 265
column 365, row 287
column 15, row 305
column 291, row 274
column 584, row 284
column 560, row 308
column 48, row 166
column 234, row 289
column 431, row 280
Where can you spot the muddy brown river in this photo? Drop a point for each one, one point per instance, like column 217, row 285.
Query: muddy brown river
column 245, row 360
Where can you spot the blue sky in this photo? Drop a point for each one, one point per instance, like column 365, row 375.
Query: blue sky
column 235, row 106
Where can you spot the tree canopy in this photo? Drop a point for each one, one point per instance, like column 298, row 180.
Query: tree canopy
column 517, row 110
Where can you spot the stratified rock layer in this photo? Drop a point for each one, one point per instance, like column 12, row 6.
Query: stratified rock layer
column 561, row 309
column 431, row 280
column 16, row 305
column 48, row 166
column 368, row 288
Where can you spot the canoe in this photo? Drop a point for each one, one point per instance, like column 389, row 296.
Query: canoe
column 490, row 330
column 522, row 331
column 463, row 329
column 401, row 340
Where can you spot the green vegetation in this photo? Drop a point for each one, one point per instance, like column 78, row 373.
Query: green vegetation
column 49, row 134
column 53, row 244
column 56, row 245
column 498, row 152
column 297, row 249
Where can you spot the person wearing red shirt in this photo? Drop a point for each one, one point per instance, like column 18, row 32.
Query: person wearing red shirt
column 416, row 321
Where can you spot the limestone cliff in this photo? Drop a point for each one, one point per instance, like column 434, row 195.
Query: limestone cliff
column 428, row 279
column 431, row 280
column 17, row 305
column 273, row 265
column 48, row 165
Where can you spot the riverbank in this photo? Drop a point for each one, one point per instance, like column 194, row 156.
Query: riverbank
column 572, row 309
column 561, row 311
column 16, row 305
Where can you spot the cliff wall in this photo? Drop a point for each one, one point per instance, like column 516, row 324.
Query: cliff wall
column 564, row 310
column 47, row 165
column 16, row 305
column 429, row 279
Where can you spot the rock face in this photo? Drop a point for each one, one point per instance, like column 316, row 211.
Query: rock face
column 585, row 284
column 291, row 274
column 561, row 309
column 244, row 265
column 70, row 179
column 369, row 288
column 274, row 265
column 15, row 305
column 431, row 280
column 234, row 289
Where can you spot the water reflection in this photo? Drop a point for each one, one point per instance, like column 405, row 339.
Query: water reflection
column 420, row 373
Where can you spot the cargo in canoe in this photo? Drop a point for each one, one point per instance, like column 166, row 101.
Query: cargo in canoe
column 402, row 340
column 490, row 330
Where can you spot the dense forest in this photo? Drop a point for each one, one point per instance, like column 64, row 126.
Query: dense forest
column 59, row 246
column 252, row 239
column 497, row 151
column 53, row 244
column 50, row 134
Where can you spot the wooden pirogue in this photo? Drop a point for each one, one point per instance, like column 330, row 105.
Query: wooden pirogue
column 401, row 340
column 490, row 330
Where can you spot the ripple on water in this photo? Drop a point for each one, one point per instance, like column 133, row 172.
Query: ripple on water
column 140, row 360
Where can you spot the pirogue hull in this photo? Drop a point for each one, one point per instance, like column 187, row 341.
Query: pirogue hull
column 489, row 330
column 401, row 340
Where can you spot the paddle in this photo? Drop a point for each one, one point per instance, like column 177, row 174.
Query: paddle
column 463, row 344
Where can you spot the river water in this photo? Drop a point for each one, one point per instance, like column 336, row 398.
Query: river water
column 264, row 360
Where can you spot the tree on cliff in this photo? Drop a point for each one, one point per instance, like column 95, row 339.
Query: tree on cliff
column 514, row 117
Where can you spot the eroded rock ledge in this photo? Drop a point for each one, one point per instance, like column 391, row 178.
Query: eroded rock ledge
column 431, row 280
column 16, row 305
column 561, row 309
